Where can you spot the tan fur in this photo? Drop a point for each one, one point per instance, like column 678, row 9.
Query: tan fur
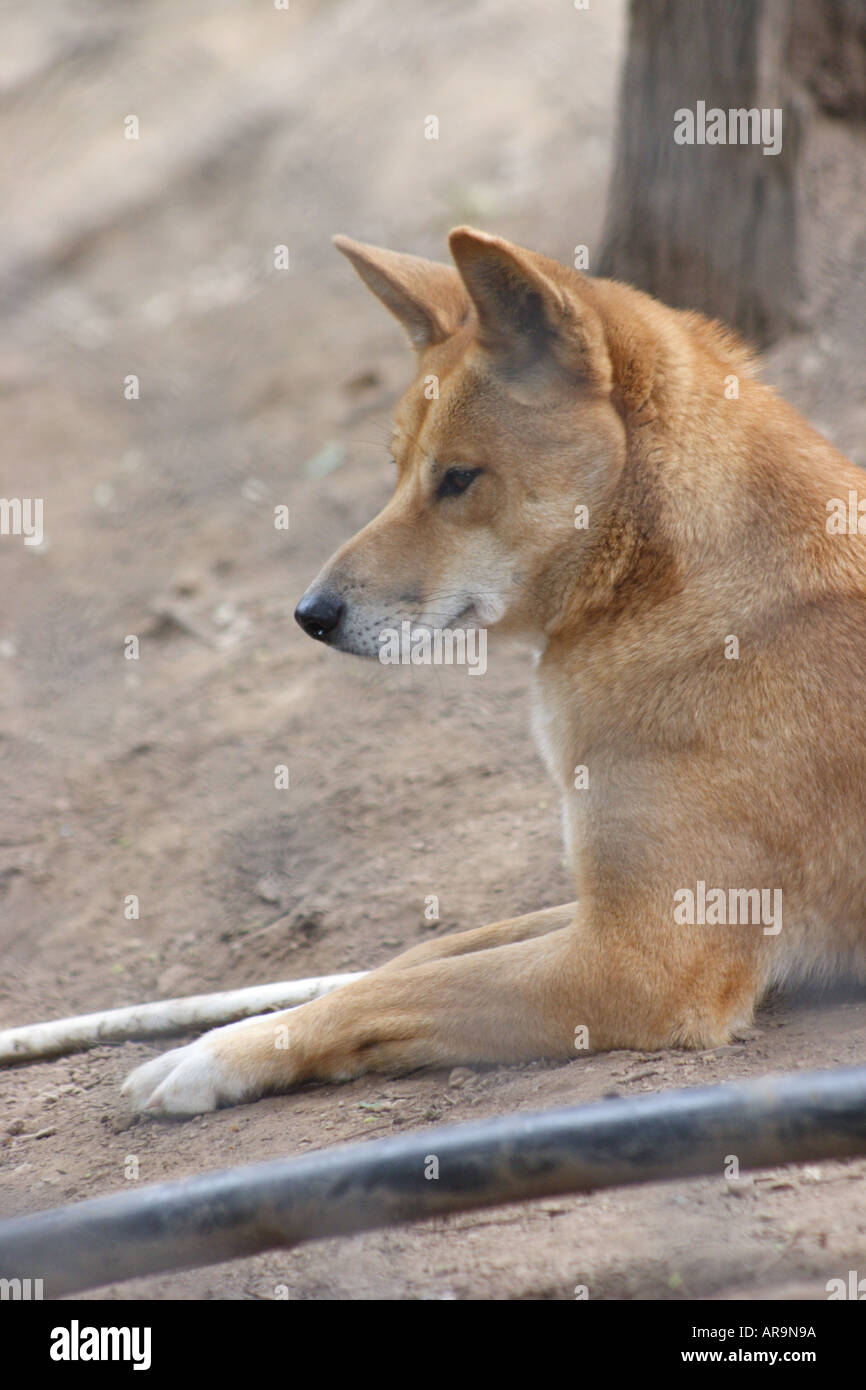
column 707, row 520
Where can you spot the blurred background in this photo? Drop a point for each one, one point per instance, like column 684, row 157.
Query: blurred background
column 154, row 258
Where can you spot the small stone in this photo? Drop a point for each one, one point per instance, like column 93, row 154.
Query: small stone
column 268, row 889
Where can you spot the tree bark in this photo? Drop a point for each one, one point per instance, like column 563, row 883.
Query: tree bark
column 828, row 54
column 711, row 227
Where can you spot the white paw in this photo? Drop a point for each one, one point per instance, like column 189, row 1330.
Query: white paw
column 186, row 1081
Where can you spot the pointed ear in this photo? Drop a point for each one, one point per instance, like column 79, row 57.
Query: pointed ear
column 427, row 298
column 523, row 314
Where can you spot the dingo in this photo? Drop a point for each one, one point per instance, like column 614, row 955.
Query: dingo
column 603, row 475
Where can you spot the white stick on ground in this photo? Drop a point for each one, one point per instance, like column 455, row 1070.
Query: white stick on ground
column 161, row 1018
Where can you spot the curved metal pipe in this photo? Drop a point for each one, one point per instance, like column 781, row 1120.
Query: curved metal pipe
column 227, row 1215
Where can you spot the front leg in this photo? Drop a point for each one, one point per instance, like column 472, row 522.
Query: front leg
column 507, row 1004
column 510, row 1003
column 192, row 1077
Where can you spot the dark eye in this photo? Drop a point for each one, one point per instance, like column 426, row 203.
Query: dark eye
column 457, row 480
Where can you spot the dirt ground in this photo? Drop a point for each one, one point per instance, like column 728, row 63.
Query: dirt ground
column 154, row 777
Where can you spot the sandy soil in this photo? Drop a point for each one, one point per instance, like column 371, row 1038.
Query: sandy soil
column 155, row 258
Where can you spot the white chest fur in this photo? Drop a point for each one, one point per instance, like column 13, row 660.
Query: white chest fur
column 553, row 718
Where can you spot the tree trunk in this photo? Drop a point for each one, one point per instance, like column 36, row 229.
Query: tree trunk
column 707, row 226
column 828, row 54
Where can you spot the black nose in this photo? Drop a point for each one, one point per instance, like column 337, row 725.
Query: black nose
column 319, row 614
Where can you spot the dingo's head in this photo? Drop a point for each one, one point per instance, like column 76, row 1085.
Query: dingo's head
column 506, row 434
